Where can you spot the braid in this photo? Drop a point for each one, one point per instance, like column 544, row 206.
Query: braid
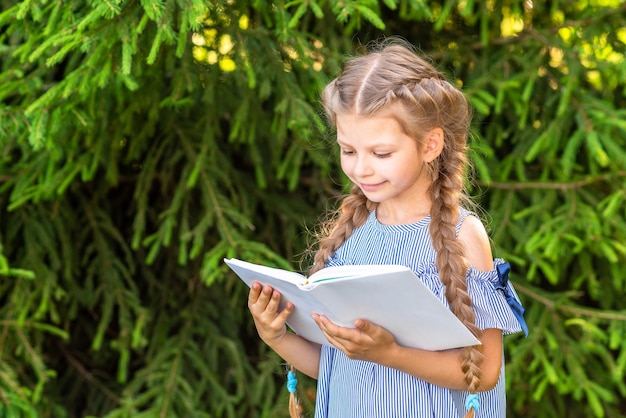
column 353, row 213
column 295, row 408
column 451, row 262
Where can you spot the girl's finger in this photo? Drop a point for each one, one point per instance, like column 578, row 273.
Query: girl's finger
column 273, row 301
column 284, row 314
column 255, row 291
column 265, row 296
column 328, row 326
column 331, row 339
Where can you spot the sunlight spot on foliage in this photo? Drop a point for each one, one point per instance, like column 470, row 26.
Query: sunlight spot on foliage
column 318, row 59
column 244, row 21
column 212, row 57
column 199, row 54
column 558, row 17
column 593, row 53
column 226, row 44
column 210, row 35
column 605, row 52
column 566, row 34
column 211, row 48
column 227, row 64
column 599, row 49
column 198, row 39
column 594, row 78
column 556, row 58
column 292, row 53
column 553, row 84
column 606, row 3
column 511, row 24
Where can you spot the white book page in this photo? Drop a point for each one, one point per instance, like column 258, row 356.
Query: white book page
column 256, row 272
column 349, row 271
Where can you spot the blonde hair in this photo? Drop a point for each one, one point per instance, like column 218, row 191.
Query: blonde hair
column 394, row 75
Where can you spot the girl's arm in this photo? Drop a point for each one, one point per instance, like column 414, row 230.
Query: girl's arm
column 443, row 368
column 263, row 302
column 370, row 342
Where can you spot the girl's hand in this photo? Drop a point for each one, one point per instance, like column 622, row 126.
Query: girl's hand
column 263, row 302
column 366, row 341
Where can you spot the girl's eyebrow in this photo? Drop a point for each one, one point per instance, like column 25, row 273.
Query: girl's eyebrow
column 343, row 144
column 374, row 145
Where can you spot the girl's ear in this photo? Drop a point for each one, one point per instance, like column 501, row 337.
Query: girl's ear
column 433, row 144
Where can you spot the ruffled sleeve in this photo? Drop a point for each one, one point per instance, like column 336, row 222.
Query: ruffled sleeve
column 495, row 302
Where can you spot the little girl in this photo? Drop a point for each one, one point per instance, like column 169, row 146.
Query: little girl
column 402, row 131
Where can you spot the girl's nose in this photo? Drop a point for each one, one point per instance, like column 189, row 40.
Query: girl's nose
column 362, row 166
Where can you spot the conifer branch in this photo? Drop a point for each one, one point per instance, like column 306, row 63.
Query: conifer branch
column 184, row 336
column 209, row 187
column 572, row 310
column 552, row 186
column 88, row 376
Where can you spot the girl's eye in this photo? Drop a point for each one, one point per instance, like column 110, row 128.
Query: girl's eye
column 382, row 155
column 347, row 152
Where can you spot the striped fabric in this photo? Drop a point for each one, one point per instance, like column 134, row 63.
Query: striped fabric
column 360, row 389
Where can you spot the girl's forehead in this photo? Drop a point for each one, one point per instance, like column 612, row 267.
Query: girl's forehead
column 378, row 125
column 367, row 127
column 356, row 121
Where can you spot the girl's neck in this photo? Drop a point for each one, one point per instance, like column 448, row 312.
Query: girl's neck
column 389, row 215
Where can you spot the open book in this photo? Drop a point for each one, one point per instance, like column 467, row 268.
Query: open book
column 391, row 296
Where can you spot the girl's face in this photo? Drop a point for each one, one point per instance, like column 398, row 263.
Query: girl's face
column 385, row 163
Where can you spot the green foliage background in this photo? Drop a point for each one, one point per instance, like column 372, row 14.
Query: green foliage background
column 143, row 141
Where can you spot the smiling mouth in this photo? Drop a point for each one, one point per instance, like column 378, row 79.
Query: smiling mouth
column 370, row 187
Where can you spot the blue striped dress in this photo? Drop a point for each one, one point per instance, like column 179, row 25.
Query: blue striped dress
column 360, row 389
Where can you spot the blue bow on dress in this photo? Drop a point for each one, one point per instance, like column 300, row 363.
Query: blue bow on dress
column 517, row 308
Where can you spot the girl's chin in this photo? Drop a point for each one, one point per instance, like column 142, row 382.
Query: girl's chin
column 373, row 197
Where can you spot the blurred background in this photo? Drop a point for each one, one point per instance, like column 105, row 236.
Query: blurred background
column 141, row 142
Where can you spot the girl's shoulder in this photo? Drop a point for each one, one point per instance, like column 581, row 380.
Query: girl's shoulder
column 473, row 236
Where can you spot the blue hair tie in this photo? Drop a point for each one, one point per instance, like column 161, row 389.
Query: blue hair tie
column 292, row 382
column 472, row 401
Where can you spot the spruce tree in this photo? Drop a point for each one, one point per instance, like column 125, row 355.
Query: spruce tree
column 141, row 142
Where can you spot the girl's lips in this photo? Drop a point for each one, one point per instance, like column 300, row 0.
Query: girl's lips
column 370, row 187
